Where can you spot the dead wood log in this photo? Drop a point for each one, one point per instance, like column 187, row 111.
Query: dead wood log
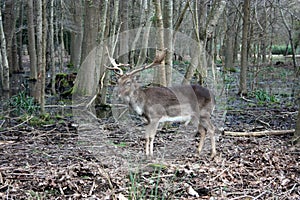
column 259, row 133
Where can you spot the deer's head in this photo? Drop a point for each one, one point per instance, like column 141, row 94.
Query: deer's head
column 127, row 84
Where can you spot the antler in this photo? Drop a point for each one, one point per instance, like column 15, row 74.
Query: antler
column 159, row 57
column 115, row 65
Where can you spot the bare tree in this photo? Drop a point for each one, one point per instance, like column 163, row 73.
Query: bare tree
column 43, row 48
column 161, row 75
column 5, row 66
column 31, row 41
column 229, row 37
column 9, row 25
column 297, row 131
column 20, row 36
column 92, row 53
column 51, row 43
column 146, row 13
column 204, row 27
column 124, row 21
column 76, row 32
column 39, row 48
column 244, row 53
column 290, row 34
column 168, row 24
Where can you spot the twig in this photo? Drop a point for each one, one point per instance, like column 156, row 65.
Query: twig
column 16, row 126
column 122, row 113
column 64, row 106
column 265, row 123
column 219, row 174
column 2, row 123
column 106, row 175
column 242, row 197
column 92, row 188
column 244, row 98
column 261, row 194
column 259, row 133
column 91, row 101
column 60, row 189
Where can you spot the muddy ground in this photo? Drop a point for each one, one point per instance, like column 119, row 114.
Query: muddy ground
column 76, row 158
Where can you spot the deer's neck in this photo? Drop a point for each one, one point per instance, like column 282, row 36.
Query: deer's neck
column 137, row 101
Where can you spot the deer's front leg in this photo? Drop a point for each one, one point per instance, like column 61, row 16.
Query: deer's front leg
column 206, row 124
column 149, row 135
column 202, row 133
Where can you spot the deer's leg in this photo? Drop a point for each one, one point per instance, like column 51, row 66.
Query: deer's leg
column 202, row 133
column 213, row 141
column 206, row 123
column 150, row 134
column 147, row 146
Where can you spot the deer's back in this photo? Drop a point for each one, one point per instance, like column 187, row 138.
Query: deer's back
column 179, row 100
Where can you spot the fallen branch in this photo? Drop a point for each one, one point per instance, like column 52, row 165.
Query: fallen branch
column 259, row 133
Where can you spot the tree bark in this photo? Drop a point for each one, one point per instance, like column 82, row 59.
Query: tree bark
column 91, row 68
column 297, row 131
column 160, row 39
column 9, row 16
column 180, row 18
column 51, row 41
column 146, row 31
column 61, row 49
column 43, row 65
column 244, row 53
column 39, row 39
column 202, row 36
column 76, row 34
column 5, row 66
column 124, row 46
column 31, row 41
column 168, row 24
column 20, row 37
column 290, row 34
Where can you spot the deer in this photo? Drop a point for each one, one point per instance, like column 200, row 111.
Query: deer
column 183, row 103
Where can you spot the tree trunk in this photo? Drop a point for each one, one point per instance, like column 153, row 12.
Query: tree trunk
column 91, row 56
column 168, row 24
column 76, row 35
column 39, row 39
column 160, row 39
column 124, row 46
column 244, row 53
column 61, row 49
column 297, row 131
column 43, row 65
column 144, row 50
column 180, row 18
column 5, row 66
column 20, row 37
column 290, row 34
column 202, row 36
column 146, row 31
column 31, row 41
column 90, row 26
column 9, row 18
column 51, row 41
column 228, row 48
column 104, row 85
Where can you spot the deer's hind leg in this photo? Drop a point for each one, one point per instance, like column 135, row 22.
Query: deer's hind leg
column 202, row 133
column 149, row 135
column 206, row 126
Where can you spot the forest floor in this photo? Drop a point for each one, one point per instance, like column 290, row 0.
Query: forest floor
column 105, row 160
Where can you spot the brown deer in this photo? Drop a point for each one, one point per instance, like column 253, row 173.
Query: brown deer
column 161, row 104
